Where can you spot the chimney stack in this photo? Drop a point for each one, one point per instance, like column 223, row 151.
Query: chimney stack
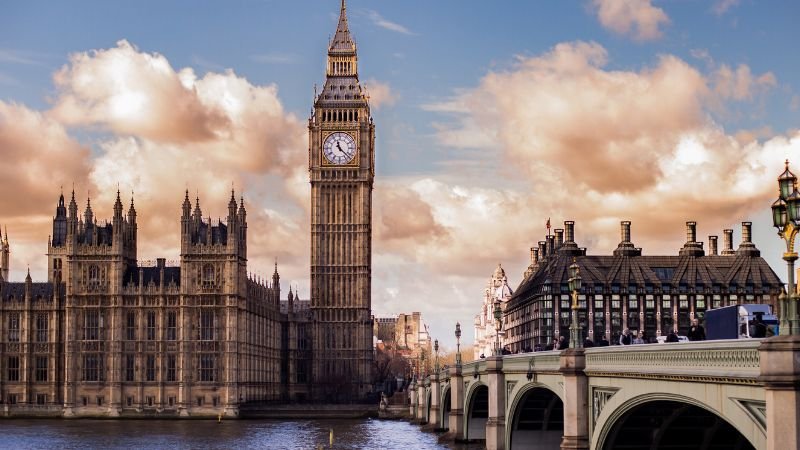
column 625, row 247
column 551, row 240
column 559, row 237
column 691, row 232
column 625, row 231
column 692, row 247
column 542, row 250
column 534, row 255
column 712, row 245
column 569, row 231
column 727, row 242
column 747, row 247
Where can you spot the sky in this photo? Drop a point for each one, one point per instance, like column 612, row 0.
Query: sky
column 491, row 117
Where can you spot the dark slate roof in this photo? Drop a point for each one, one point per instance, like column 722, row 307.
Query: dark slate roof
column 723, row 274
column 17, row 290
column 152, row 274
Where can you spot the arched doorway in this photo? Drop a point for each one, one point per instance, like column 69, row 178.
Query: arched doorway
column 478, row 413
column 446, row 407
column 538, row 420
column 669, row 424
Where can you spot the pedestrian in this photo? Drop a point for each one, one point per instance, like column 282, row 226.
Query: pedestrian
column 561, row 344
column 672, row 337
column 587, row 343
column 696, row 332
column 626, row 337
column 603, row 342
column 637, row 338
column 759, row 328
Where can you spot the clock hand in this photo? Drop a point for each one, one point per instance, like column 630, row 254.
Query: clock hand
column 339, row 146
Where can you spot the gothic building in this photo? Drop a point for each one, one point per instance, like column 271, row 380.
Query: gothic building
column 110, row 335
column 497, row 289
column 646, row 294
column 341, row 164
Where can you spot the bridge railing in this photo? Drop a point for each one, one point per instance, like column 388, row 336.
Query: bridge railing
column 722, row 361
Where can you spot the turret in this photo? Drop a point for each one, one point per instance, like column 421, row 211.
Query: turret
column 4, row 255
column 60, row 224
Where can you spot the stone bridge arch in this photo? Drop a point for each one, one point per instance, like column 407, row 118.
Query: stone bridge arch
column 701, row 425
column 476, row 410
column 535, row 417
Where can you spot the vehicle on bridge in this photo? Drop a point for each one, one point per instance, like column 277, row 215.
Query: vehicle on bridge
column 740, row 322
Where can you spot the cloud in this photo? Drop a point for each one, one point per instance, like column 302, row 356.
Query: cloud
column 578, row 141
column 720, row 7
column 638, row 18
column 11, row 56
column 380, row 93
column 163, row 130
column 378, row 20
column 741, row 84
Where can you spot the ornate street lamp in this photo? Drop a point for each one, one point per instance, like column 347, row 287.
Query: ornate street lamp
column 786, row 218
column 458, row 344
column 575, row 331
column 436, row 349
column 498, row 326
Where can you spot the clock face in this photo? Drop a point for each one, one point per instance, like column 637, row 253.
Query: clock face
column 339, row 148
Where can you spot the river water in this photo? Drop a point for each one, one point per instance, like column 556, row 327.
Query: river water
column 230, row 434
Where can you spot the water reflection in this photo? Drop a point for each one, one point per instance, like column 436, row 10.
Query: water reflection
column 238, row 434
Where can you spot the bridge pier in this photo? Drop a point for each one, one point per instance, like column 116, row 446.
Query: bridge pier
column 422, row 400
column 780, row 373
column 412, row 397
column 434, row 420
column 576, row 394
column 456, row 404
column 496, row 422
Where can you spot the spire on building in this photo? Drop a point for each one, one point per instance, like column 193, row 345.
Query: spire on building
column 342, row 40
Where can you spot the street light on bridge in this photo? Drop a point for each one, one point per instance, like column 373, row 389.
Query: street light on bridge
column 458, row 344
column 786, row 218
column 498, row 326
column 575, row 331
column 436, row 349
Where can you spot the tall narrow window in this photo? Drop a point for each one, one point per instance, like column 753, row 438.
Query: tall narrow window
column 206, row 325
column 172, row 325
column 150, row 373
column 13, row 327
column 130, row 326
column 130, row 364
column 92, row 367
column 171, row 367
column 151, row 325
column 206, row 367
column 42, row 324
column 13, row 368
column 91, row 325
column 41, row 368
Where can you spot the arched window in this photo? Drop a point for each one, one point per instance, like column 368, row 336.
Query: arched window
column 94, row 274
column 208, row 275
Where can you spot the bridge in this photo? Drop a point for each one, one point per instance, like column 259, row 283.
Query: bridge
column 735, row 394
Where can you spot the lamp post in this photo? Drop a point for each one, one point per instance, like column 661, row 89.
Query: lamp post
column 498, row 326
column 436, row 349
column 786, row 218
column 575, row 331
column 458, row 344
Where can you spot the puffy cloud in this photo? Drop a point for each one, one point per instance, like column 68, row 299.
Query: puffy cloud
column 638, row 18
column 741, row 84
column 380, row 93
column 598, row 146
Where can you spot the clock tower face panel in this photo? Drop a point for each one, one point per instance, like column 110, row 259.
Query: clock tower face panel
column 341, row 172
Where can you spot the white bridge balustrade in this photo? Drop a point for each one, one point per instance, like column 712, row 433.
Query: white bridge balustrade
column 713, row 394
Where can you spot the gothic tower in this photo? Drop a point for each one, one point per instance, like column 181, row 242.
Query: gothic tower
column 341, row 164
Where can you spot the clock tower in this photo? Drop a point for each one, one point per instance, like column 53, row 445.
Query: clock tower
column 341, row 165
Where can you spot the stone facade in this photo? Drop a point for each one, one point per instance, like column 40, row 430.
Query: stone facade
column 110, row 335
column 650, row 294
column 341, row 169
column 497, row 288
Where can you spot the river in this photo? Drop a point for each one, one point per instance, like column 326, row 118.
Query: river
column 230, row 434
